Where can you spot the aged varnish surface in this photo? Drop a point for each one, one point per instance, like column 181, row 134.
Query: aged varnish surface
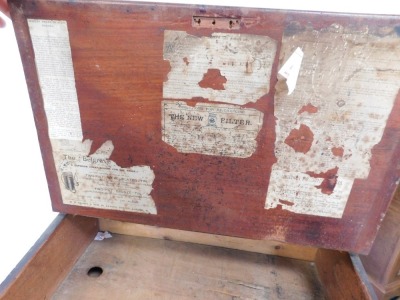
column 243, row 122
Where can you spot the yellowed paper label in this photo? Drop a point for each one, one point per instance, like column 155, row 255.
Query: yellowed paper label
column 55, row 70
column 95, row 181
column 226, row 67
column 326, row 129
column 212, row 129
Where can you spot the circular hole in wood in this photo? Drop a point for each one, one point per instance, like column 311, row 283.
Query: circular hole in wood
column 95, row 271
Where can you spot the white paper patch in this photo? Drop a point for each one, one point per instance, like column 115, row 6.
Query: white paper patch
column 212, row 129
column 55, row 70
column 102, row 235
column 290, row 70
column 226, row 67
column 326, row 129
column 95, row 181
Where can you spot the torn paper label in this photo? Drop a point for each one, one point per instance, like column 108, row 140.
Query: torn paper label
column 226, row 67
column 290, row 70
column 50, row 40
column 327, row 128
column 298, row 192
column 96, row 181
column 212, row 129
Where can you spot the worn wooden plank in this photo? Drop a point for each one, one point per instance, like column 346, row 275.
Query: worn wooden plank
column 143, row 268
column 50, row 259
column 259, row 246
column 338, row 276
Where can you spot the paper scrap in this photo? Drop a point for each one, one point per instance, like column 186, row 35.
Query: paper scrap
column 96, row 181
column 291, row 69
column 101, row 235
column 225, row 67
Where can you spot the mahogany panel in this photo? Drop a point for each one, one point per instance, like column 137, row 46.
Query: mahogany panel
column 118, row 52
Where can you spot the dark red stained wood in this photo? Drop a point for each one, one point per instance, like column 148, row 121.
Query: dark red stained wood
column 300, row 139
column 195, row 192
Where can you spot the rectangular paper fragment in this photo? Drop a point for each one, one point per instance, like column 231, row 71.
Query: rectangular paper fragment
column 54, row 66
column 226, row 67
column 96, row 181
column 212, row 129
column 326, row 129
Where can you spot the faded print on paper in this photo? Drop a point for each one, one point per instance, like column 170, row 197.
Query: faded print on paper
column 91, row 181
column 50, row 40
column 326, row 129
column 212, row 129
column 95, row 181
column 226, row 67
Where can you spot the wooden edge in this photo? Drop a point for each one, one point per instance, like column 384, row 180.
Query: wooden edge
column 388, row 291
column 259, row 246
column 394, row 263
column 362, row 273
column 50, row 259
column 338, row 276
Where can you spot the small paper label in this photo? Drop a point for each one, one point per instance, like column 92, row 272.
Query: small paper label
column 212, row 129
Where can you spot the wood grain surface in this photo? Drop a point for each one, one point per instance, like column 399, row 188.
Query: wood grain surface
column 121, row 102
column 258, row 246
column 338, row 276
column 144, row 268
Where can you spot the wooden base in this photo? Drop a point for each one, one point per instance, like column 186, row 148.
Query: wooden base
column 131, row 267
column 144, row 268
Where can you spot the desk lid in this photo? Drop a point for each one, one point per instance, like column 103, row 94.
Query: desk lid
column 244, row 122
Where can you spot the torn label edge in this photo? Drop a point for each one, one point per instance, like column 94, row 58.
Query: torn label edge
column 291, row 69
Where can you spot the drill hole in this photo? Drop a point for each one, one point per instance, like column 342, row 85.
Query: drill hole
column 95, row 272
